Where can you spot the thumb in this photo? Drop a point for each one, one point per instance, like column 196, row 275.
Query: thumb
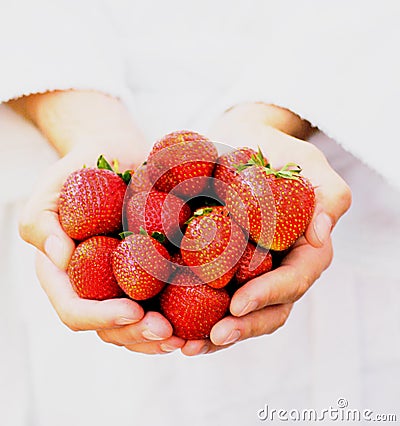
column 319, row 229
column 39, row 223
column 333, row 199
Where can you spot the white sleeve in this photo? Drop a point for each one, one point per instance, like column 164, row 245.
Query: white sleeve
column 337, row 65
column 60, row 44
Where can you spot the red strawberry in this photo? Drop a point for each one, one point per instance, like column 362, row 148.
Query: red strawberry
column 177, row 259
column 90, row 269
column 140, row 181
column 181, row 162
column 254, row 262
column 91, row 202
column 178, row 264
column 156, row 212
column 225, row 170
column 275, row 206
column 191, row 306
column 212, row 245
column 141, row 266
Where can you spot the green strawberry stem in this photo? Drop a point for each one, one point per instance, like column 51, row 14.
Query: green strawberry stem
column 203, row 211
column 116, row 166
column 102, row 163
column 255, row 160
column 159, row 236
column 126, row 176
column 199, row 212
column 288, row 171
column 125, row 234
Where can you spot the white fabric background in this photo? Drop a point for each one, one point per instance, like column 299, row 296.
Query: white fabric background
column 342, row 339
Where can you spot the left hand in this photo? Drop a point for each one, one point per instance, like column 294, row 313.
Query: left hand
column 263, row 304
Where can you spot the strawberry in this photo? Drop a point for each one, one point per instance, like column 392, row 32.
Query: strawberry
column 178, row 264
column 274, row 206
column 90, row 269
column 91, row 201
column 212, row 245
column 182, row 162
column 177, row 259
column 156, row 211
column 141, row 266
column 191, row 306
column 140, row 181
column 225, row 170
column 254, row 262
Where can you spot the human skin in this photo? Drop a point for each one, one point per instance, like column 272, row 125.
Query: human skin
column 81, row 125
column 263, row 304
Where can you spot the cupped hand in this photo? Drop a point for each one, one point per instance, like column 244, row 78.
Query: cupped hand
column 83, row 125
column 118, row 321
column 263, row 304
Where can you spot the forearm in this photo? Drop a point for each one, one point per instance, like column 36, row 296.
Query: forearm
column 84, row 120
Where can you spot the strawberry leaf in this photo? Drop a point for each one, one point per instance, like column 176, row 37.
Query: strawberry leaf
column 125, row 234
column 289, row 171
column 241, row 167
column 258, row 159
column 199, row 212
column 116, row 166
column 142, row 231
column 255, row 160
column 126, row 176
column 159, row 236
column 102, row 163
column 203, row 211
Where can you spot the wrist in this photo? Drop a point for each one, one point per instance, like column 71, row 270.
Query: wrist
column 83, row 121
column 255, row 125
column 245, row 119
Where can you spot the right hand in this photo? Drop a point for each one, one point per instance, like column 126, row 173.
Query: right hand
column 118, row 321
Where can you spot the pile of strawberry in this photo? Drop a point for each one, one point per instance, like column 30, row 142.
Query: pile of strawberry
column 184, row 231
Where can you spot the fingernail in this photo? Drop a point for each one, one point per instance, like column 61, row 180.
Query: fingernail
column 204, row 350
column 167, row 348
column 245, row 307
column 322, row 227
column 126, row 321
column 233, row 336
column 54, row 249
column 151, row 336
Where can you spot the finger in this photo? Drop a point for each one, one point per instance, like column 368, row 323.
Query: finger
column 39, row 224
column 320, row 227
column 43, row 230
column 265, row 321
column 196, row 347
column 163, row 347
column 298, row 270
column 333, row 199
column 152, row 327
column 83, row 314
column 201, row 347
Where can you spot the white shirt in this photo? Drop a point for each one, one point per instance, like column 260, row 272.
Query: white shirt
column 334, row 63
column 177, row 65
